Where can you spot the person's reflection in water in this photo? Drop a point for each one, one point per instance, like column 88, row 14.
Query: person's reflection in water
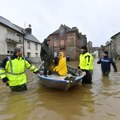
column 106, row 81
column 65, row 105
column 88, row 101
column 16, row 107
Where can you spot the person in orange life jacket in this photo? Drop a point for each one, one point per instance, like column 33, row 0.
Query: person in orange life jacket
column 86, row 65
column 12, row 71
column 61, row 68
column 106, row 63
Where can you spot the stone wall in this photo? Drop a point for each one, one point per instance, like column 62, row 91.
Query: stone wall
column 73, row 40
column 71, row 52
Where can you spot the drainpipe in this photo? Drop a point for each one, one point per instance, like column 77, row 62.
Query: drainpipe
column 23, row 45
column 23, row 42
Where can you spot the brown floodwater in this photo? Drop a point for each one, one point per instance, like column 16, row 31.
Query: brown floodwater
column 99, row 101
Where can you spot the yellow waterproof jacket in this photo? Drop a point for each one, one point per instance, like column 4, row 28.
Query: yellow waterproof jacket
column 61, row 68
column 14, row 69
column 86, row 61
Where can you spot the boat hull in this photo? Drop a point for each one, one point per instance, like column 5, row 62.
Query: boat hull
column 59, row 84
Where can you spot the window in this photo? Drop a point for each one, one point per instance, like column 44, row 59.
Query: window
column 36, row 54
column 12, row 52
column 55, row 43
column 62, row 44
column 28, row 44
column 36, row 46
column 28, row 54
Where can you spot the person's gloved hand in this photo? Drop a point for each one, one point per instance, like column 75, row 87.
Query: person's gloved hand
column 5, row 79
column 37, row 72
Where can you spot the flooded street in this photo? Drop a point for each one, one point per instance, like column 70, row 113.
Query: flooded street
column 99, row 101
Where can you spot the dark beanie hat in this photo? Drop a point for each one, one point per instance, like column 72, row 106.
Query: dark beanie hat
column 106, row 52
column 84, row 47
column 17, row 50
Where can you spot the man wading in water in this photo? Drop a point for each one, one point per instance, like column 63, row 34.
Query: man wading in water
column 12, row 71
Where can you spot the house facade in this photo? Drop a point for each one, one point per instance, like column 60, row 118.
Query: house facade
column 113, row 46
column 12, row 36
column 67, row 40
column 32, row 46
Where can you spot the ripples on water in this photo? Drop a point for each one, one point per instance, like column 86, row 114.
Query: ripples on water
column 99, row 101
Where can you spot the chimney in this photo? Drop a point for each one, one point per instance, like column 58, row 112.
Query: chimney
column 28, row 30
column 75, row 29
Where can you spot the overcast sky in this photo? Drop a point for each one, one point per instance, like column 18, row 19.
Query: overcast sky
column 98, row 19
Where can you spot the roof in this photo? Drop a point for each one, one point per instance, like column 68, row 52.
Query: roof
column 66, row 28
column 18, row 29
column 10, row 25
column 31, row 38
column 115, row 35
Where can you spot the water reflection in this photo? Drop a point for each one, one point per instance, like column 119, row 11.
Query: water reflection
column 106, row 81
column 64, row 105
column 46, row 104
column 85, row 102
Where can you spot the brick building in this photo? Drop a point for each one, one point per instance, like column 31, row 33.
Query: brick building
column 90, row 47
column 67, row 40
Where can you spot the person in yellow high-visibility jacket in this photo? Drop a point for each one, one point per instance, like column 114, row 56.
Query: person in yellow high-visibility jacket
column 61, row 68
column 12, row 71
column 86, row 64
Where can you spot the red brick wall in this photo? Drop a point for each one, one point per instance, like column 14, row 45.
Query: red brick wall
column 68, row 44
